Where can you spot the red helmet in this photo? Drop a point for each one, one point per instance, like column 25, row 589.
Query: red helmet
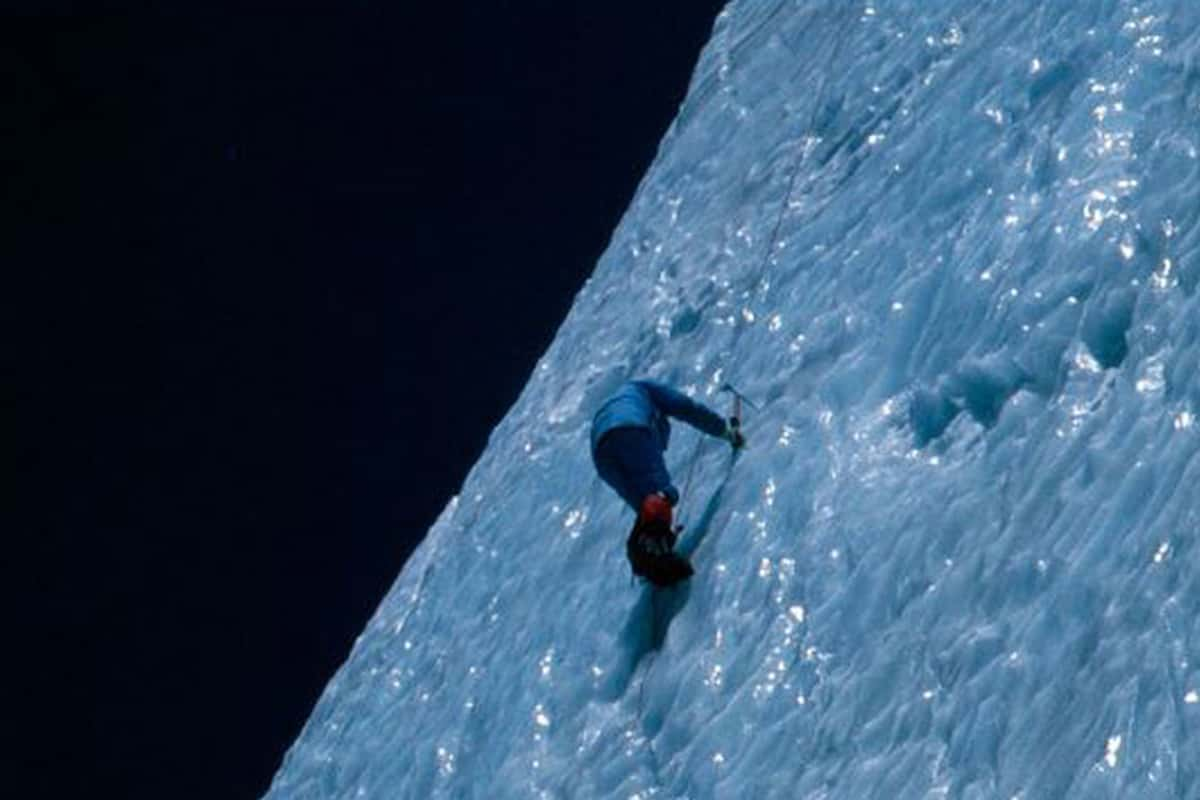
column 655, row 508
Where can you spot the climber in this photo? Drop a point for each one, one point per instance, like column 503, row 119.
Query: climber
column 630, row 433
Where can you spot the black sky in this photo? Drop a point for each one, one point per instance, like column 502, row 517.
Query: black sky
column 273, row 279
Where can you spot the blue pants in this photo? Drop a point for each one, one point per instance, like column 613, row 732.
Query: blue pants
column 628, row 460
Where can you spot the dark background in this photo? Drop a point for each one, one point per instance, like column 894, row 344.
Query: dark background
column 270, row 281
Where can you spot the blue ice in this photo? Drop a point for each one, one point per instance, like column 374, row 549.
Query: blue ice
column 951, row 251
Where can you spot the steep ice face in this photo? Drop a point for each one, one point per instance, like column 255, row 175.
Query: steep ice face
column 950, row 249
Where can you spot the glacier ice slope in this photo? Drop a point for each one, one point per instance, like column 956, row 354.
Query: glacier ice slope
column 951, row 250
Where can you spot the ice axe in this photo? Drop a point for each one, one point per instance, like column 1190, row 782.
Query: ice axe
column 738, row 399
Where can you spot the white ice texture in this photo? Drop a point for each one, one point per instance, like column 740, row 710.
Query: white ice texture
column 951, row 252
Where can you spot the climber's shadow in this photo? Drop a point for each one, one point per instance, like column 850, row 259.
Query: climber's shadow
column 645, row 631
column 694, row 537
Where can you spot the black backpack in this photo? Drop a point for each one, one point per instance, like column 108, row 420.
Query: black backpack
column 651, row 553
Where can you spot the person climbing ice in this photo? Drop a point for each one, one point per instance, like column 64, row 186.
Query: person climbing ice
column 630, row 433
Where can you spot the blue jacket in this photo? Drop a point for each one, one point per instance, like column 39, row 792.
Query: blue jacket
column 647, row 404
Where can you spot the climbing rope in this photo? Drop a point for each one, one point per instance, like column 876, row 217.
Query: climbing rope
column 691, row 469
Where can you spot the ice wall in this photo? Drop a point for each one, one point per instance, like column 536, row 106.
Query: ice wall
column 950, row 249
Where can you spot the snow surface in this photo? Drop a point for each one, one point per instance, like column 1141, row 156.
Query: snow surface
column 951, row 252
